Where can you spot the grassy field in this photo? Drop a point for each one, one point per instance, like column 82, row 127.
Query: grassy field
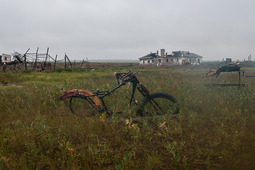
column 214, row 130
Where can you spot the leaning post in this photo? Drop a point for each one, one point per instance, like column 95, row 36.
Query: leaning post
column 65, row 60
column 47, row 53
column 35, row 64
column 55, row 62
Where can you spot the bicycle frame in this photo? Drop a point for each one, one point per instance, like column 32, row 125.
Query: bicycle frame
column 101, row 95
column 95, row 97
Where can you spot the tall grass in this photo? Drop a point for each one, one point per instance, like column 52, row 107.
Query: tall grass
column 215, row 129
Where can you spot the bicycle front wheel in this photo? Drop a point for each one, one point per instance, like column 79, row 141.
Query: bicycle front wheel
column 80, row 106
column 158, row 103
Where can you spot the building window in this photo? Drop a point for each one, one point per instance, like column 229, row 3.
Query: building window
column 149, row 61
column 5, row 58
column 198, row 60
column 167, row 60
column 159, row 60
column 152, row 61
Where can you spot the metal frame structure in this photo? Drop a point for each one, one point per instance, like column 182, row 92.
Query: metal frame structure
column 239, row 84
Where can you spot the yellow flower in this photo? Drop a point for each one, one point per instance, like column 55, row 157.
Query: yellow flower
column 102, row 118
column 133, row 126
column 70, row 149
column 127, row 122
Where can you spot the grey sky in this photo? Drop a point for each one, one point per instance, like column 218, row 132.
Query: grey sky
column 128, row 29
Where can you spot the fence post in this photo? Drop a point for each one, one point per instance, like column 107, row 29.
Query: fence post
column 55, row 62
column 35, row 64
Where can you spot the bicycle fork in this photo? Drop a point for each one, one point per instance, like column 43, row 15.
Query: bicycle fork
column 146, row 93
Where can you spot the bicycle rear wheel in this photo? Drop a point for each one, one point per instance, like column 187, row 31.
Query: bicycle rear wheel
column 158, row 103
column 80, row 106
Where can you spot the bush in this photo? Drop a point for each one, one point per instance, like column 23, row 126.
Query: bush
column 59, row 69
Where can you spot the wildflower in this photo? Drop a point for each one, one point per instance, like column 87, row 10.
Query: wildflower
column 102, row 118
column 70, row 149
column 133, row 126
column 127, row 122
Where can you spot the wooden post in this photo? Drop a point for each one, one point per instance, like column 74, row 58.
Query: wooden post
column 25, row 58
column 55, row 62
column 69, row 61
column 82, row 62
column 87, row 64
column 35, row 64
column 46, row 57
column 239, row 80
column 65, row 60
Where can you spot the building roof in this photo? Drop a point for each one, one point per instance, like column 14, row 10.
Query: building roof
column 186, row 54
column 174, row 54
column 149, row 56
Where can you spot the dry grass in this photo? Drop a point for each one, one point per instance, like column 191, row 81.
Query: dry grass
column 215, row 129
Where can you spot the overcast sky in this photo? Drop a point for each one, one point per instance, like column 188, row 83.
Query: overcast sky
column 128, row 29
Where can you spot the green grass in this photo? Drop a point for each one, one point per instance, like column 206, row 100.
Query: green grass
column 214, row 130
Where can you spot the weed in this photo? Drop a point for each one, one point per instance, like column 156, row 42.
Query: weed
column 215, row 128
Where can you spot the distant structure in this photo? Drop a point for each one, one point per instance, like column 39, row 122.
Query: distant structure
column 249, row 57
column 5, row 58
column 228, row 60
column 175, row 58
column 37, row 61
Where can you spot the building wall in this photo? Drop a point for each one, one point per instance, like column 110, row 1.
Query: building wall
column 147, row 62
column 193, row 61
column 162, row 52
column 171, row 61
column 6, row 58
column 196, row 61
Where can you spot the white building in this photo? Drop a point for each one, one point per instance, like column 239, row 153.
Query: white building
column 5, row 58
column 175, row 58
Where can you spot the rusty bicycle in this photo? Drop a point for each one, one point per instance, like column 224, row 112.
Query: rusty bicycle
column 157, row 103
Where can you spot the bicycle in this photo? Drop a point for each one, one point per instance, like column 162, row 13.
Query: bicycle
column 157, row 103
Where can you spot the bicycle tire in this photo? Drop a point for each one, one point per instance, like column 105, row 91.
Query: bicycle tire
column 80, row 106
column 168, row 104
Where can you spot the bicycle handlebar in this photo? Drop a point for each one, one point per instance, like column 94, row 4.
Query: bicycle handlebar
column 129, row 75
column 123, row 78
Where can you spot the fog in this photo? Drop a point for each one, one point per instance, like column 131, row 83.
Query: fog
column 128, row 29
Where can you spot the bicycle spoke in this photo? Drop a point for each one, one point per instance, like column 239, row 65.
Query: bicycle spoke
column 160, row 106
column 81, row 107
